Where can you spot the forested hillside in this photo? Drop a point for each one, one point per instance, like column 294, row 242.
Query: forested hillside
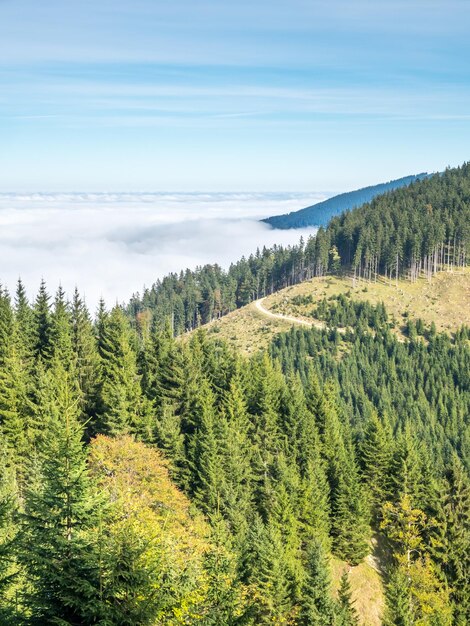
column 148, row 480
column 409, row 232
column 320, row 214
column 315, row 448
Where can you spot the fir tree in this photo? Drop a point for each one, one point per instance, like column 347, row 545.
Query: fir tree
column 450, row 538
column 266, row 570
column 347, row 614
column 61, row 508
column 122, row 407
column 61, row 331
column 9, row 611
column 317, row 606
column 42, row 326
column 376, row 453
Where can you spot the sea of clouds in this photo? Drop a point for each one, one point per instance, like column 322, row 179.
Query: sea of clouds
column 111, row 245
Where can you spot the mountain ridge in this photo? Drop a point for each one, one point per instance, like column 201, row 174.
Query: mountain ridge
column 320, row 213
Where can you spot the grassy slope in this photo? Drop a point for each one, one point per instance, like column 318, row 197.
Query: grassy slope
column 446, row 301
column 366, row 587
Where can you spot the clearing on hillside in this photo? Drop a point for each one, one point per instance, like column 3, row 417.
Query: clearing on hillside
column 445, row 301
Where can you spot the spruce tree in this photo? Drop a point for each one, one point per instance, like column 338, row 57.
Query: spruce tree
column 42, row 325
column 61, row 331
column 317, row 607
column 227, row 602
column 9, row 502
column 376, row 453
column 61, row 508
column 121, row 405
column 235, row 427
column 450, row 538
column 205, row 452
column 266, row 570
column 85, row 356
column 347, row 614
column 349, row 511
column 24, row 318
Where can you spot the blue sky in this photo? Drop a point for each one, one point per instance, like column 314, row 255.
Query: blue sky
column 213, row 95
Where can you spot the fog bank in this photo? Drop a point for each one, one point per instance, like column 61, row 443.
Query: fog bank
column 111, row 245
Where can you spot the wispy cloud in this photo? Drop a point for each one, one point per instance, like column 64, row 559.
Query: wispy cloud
column 253, row 93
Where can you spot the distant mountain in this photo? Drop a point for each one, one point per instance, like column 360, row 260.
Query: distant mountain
column 320, row 214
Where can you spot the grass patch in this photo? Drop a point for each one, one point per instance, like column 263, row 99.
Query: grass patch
column 445, row 301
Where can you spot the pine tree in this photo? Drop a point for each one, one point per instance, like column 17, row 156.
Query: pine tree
column 266, row 571
column 61, row 509
column 317, row 606
column 42, row 326
column 450, row 538
column 122, row 407
column 376, row 453
column 205, row 453
column 347, row 614
column 9, row 611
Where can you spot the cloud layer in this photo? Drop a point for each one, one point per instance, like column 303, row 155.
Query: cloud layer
column 111, row 245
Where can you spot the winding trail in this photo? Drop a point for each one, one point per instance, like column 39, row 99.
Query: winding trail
column 288, row 318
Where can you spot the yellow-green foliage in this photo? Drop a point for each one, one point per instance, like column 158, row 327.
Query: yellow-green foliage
column 151, row 518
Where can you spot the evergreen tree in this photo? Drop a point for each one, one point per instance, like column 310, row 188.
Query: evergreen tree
column 42, row 325
column 61, row 331
column 317, row 606
column 235, row 427
column 122, row 407
column 450, row 538
column 9, row 612
column 208, row 476
column 15, row 406
column 347, row 614
column 266, row 570
column 227, row 602
column 349, row 526
column 61, row 508
column 85, row 356
column 24, row 326
column 376, row 453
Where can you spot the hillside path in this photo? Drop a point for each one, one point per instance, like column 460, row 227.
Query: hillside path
column 296, row 320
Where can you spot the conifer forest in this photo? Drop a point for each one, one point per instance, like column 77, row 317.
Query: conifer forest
column 151, row 476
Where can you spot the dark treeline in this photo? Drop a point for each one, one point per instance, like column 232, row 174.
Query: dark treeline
column 320, row 214
column 410, row 232
column 313, row 449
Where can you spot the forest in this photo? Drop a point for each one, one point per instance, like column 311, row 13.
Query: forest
column 150, row 480
column 409, row 232
column 152, row 477
column 320, row 214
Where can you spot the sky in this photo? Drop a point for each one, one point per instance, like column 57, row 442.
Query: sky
column 207, row 95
